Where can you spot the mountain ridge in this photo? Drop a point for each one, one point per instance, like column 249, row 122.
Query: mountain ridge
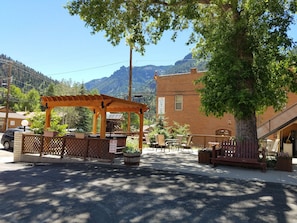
column 142, row 77
column 115, row 85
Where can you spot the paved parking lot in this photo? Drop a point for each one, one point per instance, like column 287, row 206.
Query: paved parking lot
column 149, row 193
column 106, row 193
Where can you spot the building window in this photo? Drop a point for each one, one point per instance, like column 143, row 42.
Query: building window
column 161, row 106
column 178, row 103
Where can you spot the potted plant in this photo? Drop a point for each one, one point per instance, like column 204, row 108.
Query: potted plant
column 284, row 162
column 131, row 153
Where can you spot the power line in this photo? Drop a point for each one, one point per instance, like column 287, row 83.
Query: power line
column 85, row 69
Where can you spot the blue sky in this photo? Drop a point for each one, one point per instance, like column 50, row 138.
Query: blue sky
column 43, row 36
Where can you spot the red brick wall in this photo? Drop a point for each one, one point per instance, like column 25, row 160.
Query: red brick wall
column 183, row 84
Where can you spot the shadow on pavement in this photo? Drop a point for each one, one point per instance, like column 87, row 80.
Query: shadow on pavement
column 106, row 193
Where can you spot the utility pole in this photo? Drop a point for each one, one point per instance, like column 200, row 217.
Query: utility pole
column 130, row 90
column 7, row 96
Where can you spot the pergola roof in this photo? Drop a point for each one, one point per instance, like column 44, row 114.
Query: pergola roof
column 100, row 104
column 94, row 101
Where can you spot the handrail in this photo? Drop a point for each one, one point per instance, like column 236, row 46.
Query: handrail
column 278, row 122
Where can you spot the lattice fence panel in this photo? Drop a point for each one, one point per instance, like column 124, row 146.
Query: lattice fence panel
column 32, row 143
column 104, row 150
column 75, row 147
column 69, row 146
column 94, row 149
column 52, row 145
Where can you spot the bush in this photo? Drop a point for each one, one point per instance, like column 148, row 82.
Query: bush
column 131, row 146
column 38, row 123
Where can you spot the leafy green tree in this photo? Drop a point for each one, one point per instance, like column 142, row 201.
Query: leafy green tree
column 16, row 98
column 19, row 101
column 246, row 41
column 67, row 87
column 134, row 122
column 32, row 101
column 50, row 91
column 161, row 127
column 83, row 114
column 178, row 129
column 37, row 123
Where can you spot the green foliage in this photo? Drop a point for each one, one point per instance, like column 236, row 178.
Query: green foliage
column 250, row 57
column 160, row 128
column 246, row 42
column 271, row 162
column 25, row 77
column 83, row 118
column 83, row 115
column 178, row 129
column 50, row 91
column 134, row 122
column 131, row 146
column 32, row 101
column 19, row 101
column 38, row 123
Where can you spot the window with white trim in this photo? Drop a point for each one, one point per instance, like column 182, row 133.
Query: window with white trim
column 161, row 106
column 178, row 103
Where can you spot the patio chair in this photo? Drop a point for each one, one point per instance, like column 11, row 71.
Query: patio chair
column 161, row 142
column 178, row 143
column 148, row 141
column 187, row 145
column 274, row 150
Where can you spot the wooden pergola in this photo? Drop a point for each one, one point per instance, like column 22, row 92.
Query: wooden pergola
column 99, row 105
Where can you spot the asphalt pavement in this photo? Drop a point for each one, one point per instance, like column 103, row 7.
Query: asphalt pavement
column 180, row 191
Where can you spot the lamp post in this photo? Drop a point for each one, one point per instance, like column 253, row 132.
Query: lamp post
column 24, row 123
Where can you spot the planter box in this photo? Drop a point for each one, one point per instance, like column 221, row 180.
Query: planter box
column 50, row 133
column 80, row 135
column 132, row 159
column 284, row 164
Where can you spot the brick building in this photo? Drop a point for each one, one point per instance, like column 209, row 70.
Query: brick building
column 177, row 100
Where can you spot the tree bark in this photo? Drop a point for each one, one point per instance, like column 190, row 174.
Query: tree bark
column 246, row 129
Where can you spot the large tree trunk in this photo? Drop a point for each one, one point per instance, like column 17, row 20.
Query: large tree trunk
column 246, row 129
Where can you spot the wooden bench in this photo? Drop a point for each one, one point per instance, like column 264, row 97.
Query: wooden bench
column 245, row 154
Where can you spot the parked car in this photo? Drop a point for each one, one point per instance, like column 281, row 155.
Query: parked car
column 7, row 139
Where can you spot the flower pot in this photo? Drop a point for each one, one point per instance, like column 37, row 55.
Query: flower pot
column 132, row 159
column 284, row 164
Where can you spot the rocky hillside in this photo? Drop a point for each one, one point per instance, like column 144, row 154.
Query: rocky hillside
column 142, row 79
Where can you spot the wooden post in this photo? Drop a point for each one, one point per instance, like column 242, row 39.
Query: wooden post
column 47, row 118
column 95, row 121
column 103, row 123
column 140, row 130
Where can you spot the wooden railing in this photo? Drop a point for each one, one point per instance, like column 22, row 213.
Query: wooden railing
column 202, row 141
column 67, row 146
column 278, row 122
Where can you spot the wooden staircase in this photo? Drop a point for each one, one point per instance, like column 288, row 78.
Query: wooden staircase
column 278, row 122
